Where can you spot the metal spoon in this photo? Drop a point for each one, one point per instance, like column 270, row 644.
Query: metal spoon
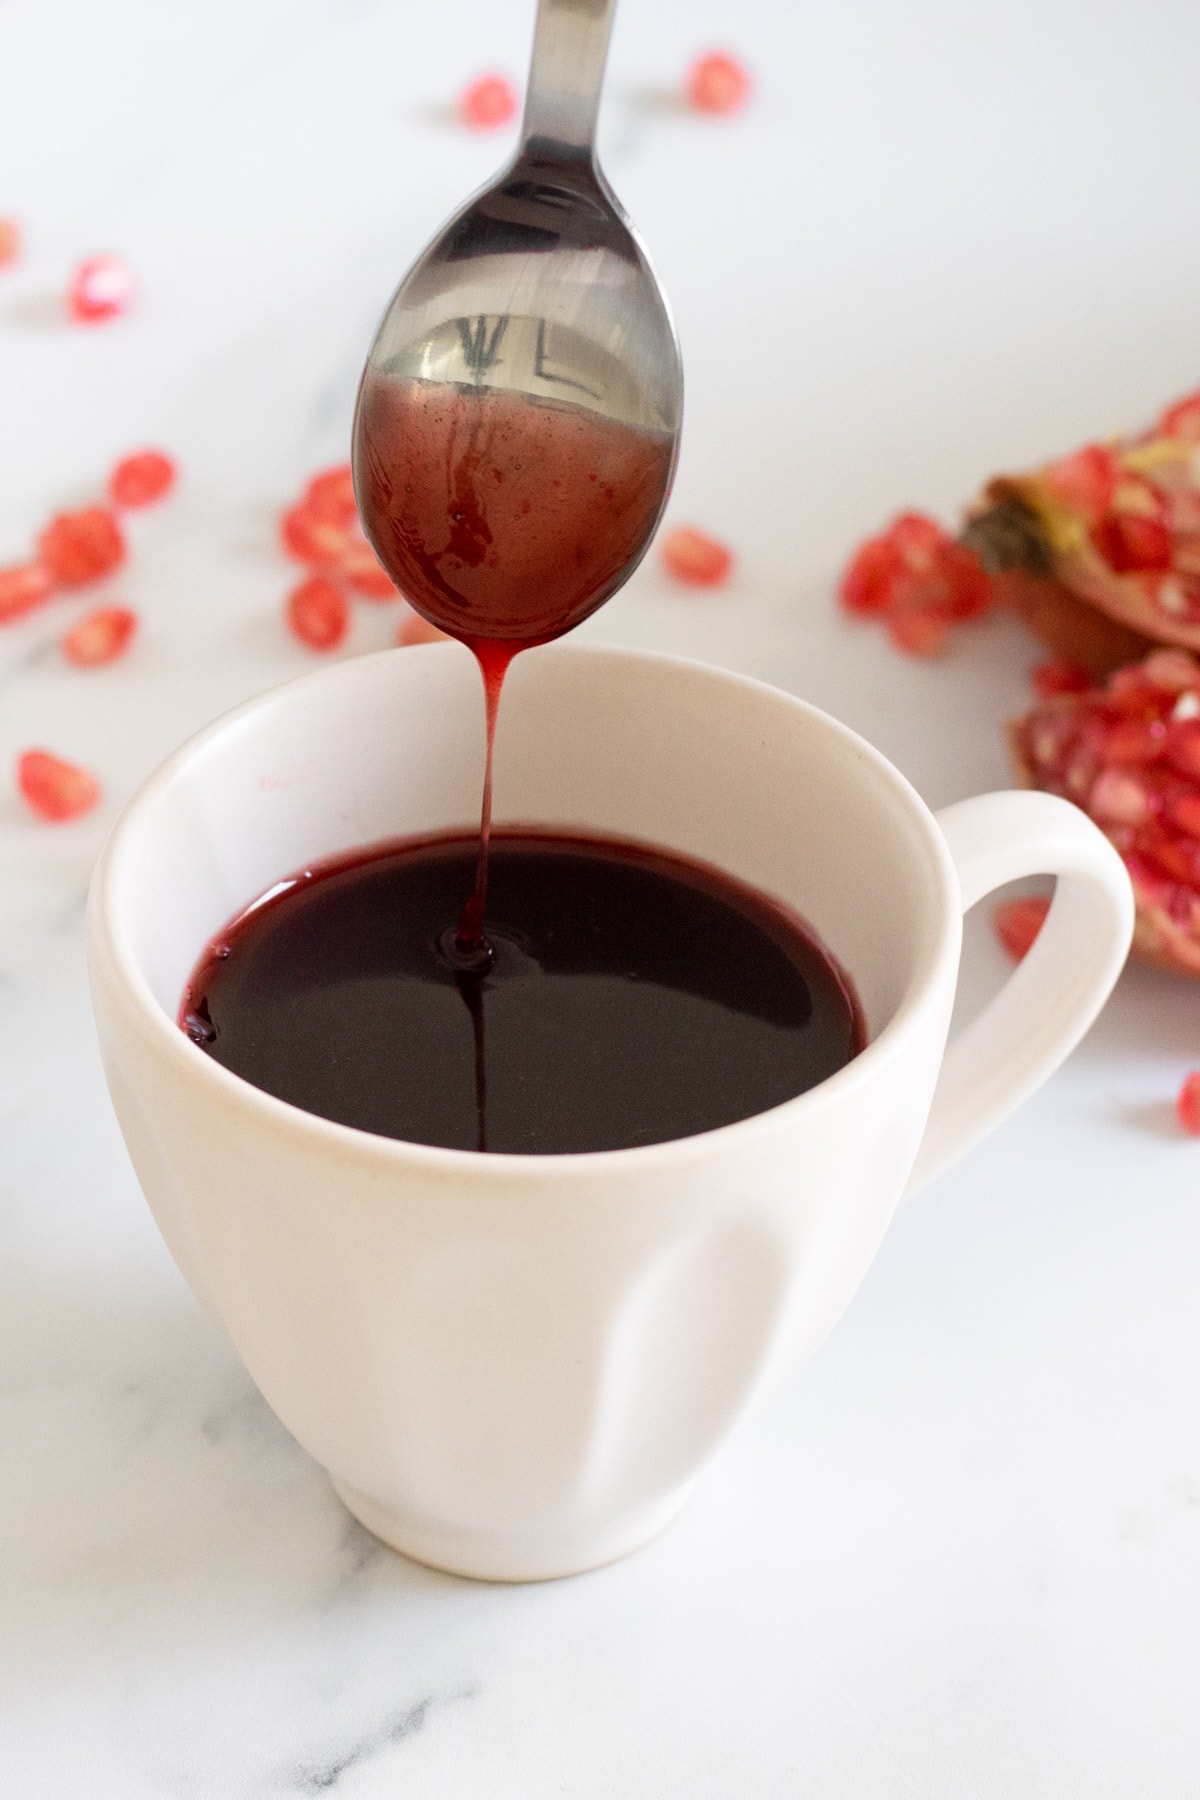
column 537, row 288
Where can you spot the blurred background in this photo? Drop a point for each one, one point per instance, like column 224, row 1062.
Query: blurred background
column 962, row 1554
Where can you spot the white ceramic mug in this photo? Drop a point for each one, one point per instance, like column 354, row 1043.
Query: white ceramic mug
column 515, row 1367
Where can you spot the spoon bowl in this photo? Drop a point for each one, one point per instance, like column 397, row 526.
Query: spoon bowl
column 518, row 419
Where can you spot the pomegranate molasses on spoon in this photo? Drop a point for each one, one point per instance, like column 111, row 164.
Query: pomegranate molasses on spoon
column 518, row 418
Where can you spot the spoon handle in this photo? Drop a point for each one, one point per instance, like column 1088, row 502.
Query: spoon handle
column 570, row 44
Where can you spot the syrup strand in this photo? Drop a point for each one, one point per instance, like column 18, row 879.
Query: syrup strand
column 493, row 657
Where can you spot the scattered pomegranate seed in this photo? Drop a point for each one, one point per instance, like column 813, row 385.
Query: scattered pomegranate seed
column 318, row 613
column 100, row 637
column 55, row 789
column 10, row 242
column 313, row 537
column 330, row 495
column 417, row 630
column 919, row 631
column 695, row 559
column 361, row 570
column 487, row 103
column 1187, row 1104
column 82, row 546
column 1059, row 678
column 919, row 579
column 101, row 288
column 22, row 587
column 1017, row 922
column 717, row 83
column 141, row 479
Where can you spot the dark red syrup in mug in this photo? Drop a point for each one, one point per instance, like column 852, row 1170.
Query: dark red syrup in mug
column 505, row 520
column 632, row 997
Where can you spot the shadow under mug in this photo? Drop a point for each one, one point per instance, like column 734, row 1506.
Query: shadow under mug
column 515, row 1367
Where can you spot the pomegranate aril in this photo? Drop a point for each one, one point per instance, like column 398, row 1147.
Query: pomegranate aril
column 100, row 637
column 1061, row 677
column 1183, row 747
column 1130, row 543
column 1134, row 742
column 920, row 578
column 1017, row 923
column 10, row 242
column 330, row 495
column 101, row 288
column 1187, row 1104
column 1086, row 481
column 487, row 103
column 920, row 633
column 1118, row 798
column 414, row 629
column 313, row 537
column 82, row 546
column 22, row 587
column 361, row 570
column 695, row 559
column 1172, row 670
column 55, row 789
column 1182, row 420
column 717, row 83
column 1185, row 813
column 318, row 613
column 141, row 479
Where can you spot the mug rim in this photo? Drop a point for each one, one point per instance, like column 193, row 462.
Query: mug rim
column 110, row 952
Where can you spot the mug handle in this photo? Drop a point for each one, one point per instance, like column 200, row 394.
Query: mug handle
column 1055, row 992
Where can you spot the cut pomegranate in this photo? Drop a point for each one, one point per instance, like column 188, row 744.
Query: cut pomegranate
column 141, row 479
column 22, row 587
column 55, row 789
column 414, row 629
column 82, row 546
column 919, row 580
column 318, row 613
column 717, row 83
column 101, row 637
column 1187, row 1104
column 1128, row 753
column 10, row 242
column 695, row 559
column 101, row 288
column 488, row 103
column 1112, row 530
column 1017, row 922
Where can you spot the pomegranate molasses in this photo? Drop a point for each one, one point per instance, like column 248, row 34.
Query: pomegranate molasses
column 504, row 519
column 631, row 997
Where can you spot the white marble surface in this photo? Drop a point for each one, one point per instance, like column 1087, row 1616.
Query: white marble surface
column 960, row 1554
